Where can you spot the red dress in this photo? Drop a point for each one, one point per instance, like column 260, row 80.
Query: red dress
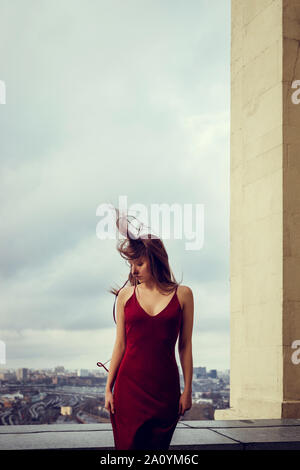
column 146, row 391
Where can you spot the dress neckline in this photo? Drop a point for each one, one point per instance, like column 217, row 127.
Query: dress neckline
column 156, row 315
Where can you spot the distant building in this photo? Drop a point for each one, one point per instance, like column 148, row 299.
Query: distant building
column 38, row 397
column 66, row 410
column 6, row 375
column 224, row 374
column 200, row 372
column 204, row 400
column 59, row 370
column 212, row 374
column 82, row 373
column 22, row 374
column 12, row 396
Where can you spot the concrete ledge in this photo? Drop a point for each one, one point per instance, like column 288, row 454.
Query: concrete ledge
column 189, row 435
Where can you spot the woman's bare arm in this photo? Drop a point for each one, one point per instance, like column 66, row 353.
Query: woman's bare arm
column 120, row 342
column 185, row 339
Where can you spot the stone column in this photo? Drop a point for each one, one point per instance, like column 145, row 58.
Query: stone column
column 265, row 211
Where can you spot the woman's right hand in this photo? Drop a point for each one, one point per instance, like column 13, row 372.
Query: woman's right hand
column 109, row 401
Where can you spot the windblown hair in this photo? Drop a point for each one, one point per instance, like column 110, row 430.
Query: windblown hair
column 151, row 247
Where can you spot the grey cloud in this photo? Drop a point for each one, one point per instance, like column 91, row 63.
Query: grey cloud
column 105, row 99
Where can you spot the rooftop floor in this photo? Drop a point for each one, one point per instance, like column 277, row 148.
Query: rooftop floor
column 268, row 434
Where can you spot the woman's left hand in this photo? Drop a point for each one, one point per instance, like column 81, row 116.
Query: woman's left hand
column 185, row 402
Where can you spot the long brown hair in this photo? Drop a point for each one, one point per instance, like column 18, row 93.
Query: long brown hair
column 149, row 246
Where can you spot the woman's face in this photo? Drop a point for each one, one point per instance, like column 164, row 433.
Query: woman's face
column 140, row 268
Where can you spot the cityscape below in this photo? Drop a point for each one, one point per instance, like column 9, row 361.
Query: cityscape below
column 58, row 396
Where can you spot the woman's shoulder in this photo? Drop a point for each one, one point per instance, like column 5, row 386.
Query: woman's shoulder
column 126, row 289
column 184, row 294
column 185, row 290
column 125, row 293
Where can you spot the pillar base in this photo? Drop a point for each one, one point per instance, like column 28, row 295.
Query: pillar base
column 252, row 409
column 291, row 409
column 261, row 410
column 228, row 413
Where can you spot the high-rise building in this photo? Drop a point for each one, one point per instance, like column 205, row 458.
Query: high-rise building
column 200, row 372
column 212, row 374
column 22, row 374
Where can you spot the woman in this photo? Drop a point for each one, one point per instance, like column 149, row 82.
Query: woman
column 143, row 389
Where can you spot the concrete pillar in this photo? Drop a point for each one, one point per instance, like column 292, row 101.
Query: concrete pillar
column 265, row 211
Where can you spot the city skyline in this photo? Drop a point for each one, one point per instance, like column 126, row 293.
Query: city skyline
column 72, row 370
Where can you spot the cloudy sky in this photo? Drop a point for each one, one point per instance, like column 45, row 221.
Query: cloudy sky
column 107, row 99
